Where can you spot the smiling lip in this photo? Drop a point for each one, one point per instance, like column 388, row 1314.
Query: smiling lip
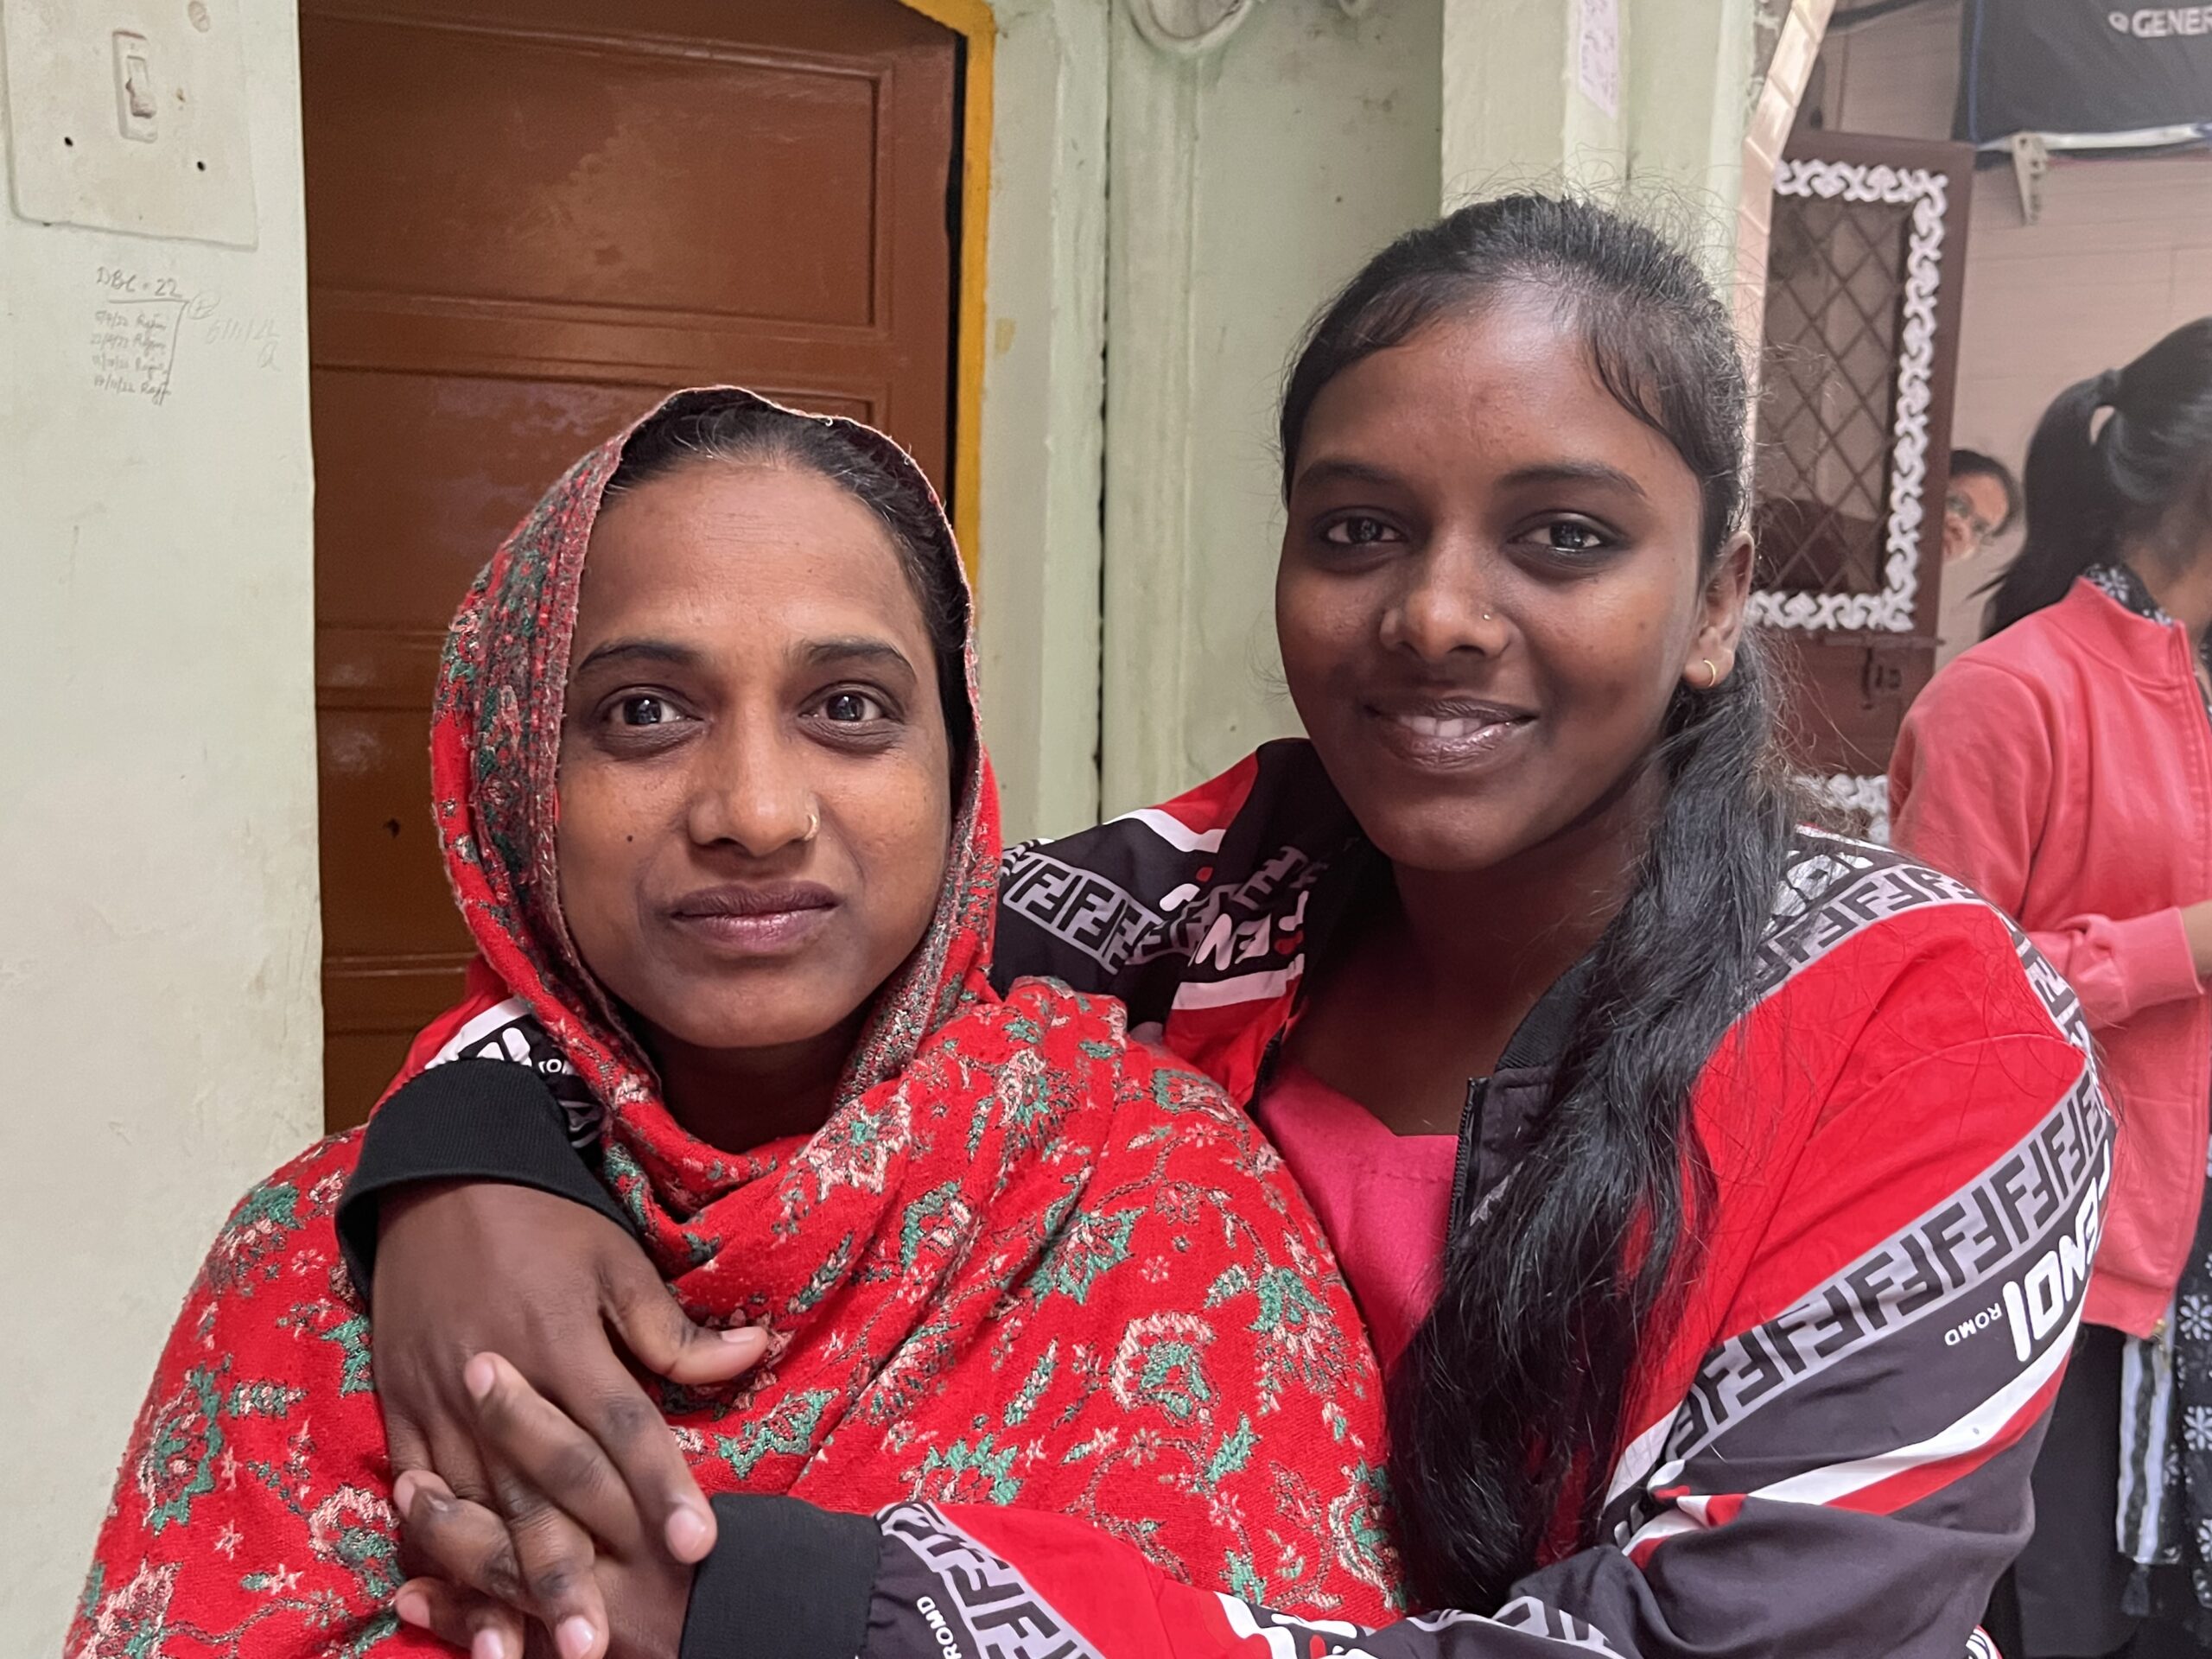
column 754, row 921
column 1449, row 733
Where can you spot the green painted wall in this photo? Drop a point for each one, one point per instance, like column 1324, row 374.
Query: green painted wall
column 1245, row 187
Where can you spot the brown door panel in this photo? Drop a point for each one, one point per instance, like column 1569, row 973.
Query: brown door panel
column 530, row 175
column 455, row 462
column 443, row 337
column 1846, row 698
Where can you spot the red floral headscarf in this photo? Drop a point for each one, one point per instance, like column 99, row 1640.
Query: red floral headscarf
column 495, row 744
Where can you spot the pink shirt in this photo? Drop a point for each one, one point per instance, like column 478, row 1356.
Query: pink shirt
column 1383, row 1199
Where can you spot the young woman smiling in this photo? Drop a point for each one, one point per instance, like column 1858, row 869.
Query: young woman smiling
column 1676, row 1156
column 715, row 815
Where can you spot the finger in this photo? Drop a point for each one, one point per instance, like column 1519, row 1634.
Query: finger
column 472, row 1549
column 539, row 1457
column 605, row 1401
column 654, row 1327
column 482, row 1627
column 648, row 1462
column 456, row 1459
column 450, row 1538
column 657, row 1483
column 405, row 1443
column 622, row 1420
column 556, row 1493
column 556, row 1563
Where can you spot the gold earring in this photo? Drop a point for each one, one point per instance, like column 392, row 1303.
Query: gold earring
column 1712, row 674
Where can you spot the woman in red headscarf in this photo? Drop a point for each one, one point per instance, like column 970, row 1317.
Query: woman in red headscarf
column 714, row 809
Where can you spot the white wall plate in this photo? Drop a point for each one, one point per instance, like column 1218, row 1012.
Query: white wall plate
column 130, row 115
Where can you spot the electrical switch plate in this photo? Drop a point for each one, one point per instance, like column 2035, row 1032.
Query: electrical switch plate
column 130, row 115
column 136, row 111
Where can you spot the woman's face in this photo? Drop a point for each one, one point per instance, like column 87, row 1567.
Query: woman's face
column 754, row 787
column 1972, row 511
column 1491, row 587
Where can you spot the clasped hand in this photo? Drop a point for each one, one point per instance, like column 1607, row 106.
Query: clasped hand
column 565, row 1563
column 546, row 1508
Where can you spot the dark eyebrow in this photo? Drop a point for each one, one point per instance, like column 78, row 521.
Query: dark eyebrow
column 814, row 654
column 1574, row 472
column 1349, row 472
column 856, row 648
column 1558, row 472
column 648, row 651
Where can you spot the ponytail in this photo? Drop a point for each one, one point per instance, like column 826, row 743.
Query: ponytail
column 2071, row 509
column 2089, row 487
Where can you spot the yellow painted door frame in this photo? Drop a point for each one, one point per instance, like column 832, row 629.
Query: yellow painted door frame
column 972, row 20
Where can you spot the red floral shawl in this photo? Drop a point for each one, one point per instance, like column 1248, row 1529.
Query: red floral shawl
column 1024, row 1262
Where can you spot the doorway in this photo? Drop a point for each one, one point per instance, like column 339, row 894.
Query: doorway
column 527, row 219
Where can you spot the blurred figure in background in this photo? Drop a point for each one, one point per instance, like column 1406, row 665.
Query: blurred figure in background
column 1981, row 510
column 2064, row 766
column 1982, row 504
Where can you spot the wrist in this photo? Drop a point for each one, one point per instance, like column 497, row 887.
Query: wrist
column 649, row 1624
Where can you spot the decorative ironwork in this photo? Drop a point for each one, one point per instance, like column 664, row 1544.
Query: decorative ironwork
column 1856, row 266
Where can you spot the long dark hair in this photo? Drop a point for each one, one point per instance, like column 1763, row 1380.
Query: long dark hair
column 2091, row 488
column 1508, row 1408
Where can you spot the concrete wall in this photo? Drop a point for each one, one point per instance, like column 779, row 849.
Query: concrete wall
column 1245, row 187
column 2122, row 252
column 1519, row 107
column 1534, row 125
column 1043, row 413
column 159, row 937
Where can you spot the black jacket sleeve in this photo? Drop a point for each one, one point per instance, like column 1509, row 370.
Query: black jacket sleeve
column 785, row 1578
column 467, row 1120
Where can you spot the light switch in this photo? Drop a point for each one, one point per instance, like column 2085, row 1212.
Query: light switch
column 134, row 86
column 130, row 115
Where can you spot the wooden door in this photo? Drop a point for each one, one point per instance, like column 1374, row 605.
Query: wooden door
column 526, row 218
column 1865, row 272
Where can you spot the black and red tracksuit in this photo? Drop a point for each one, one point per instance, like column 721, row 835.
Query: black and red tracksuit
column 1828, row 1449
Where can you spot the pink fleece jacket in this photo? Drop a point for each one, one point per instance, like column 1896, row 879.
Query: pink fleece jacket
column 2064, row 769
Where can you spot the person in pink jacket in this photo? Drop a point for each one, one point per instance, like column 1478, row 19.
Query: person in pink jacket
column 2063, row 767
